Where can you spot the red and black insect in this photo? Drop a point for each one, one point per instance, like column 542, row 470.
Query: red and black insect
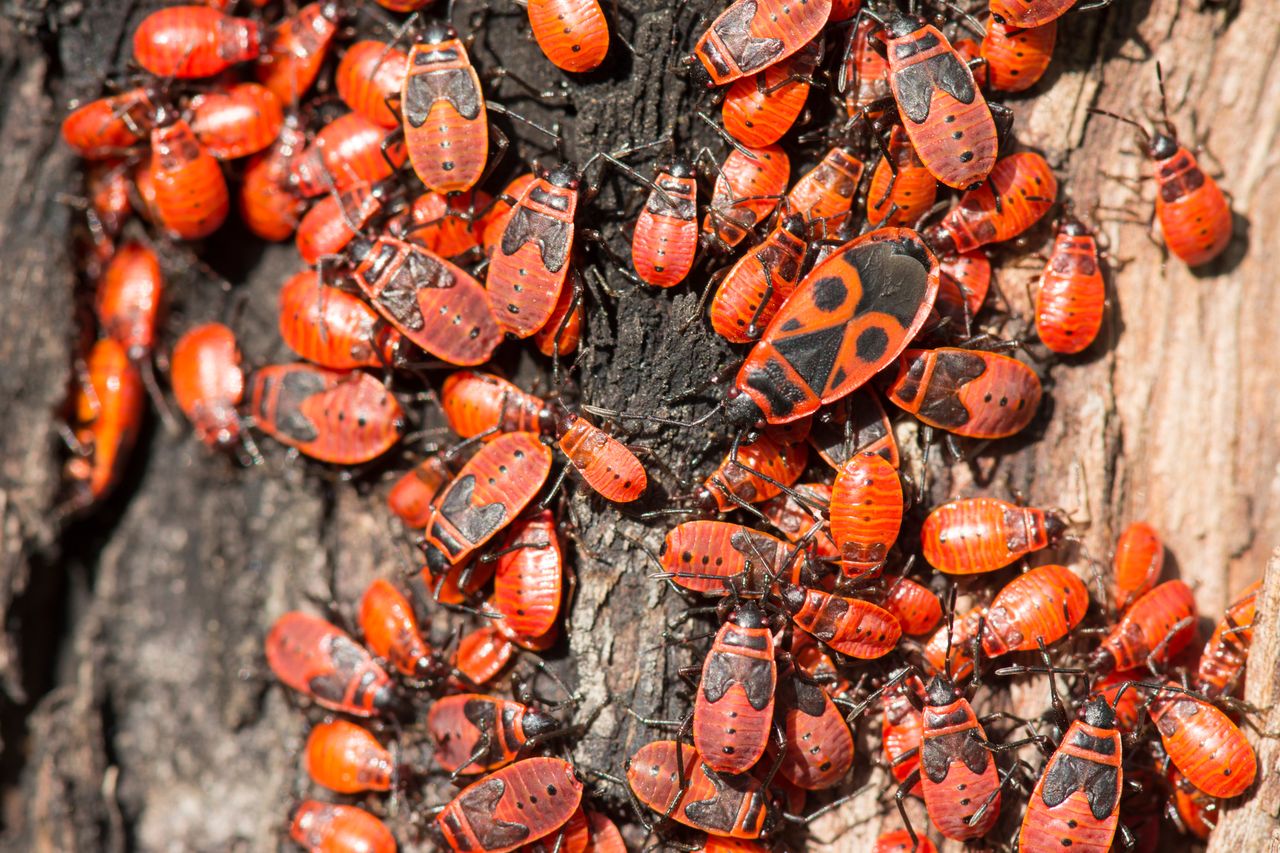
column 110, row 126
column 190, row 198
column 1027, row 189
column 952, row 648
column 966, row 279
column 1197, row 812
column 1159, row 625
column 1076, row 802
column 1223, row 660
column 915, row 606
column 236, row 121
column 602, row 461
column 736, row 481
column 851, row 626
column 194, row 41
column 1073, row 294
column 733, row 711
column 391, row 631
column 848, row 318
column 444, row 224
column 665, row 240
column 973, row 535
column 518, row 804
column 446, row 125
column 817, row 750
column 483, row 654
column 324, row 826
column 332, row 328
column 943, row 110
column 1042, row 605
column 1203, row 743
column 563, row 331
column 714, row 557
column 1017, row 57
column 864, row 72
column 347, row 758
column 902, row 729
column 297, row 47
column 1037, row 13
column 866, row 514
column 321, row 661
column 128, row 298
column 1194, row 215
column 410, row 498
column 346, row 151
column 370, row 74
column 750, row 183
column 336, row 219
column 824, row 195
column 493, row 223
column 481, row 404
column 475, row 733
column 969, row 393
column 489, row 492
column 573, row 34
column 208, row 382
column 265, row 201
column 853, row 425
column 529, row 581
column 755, row 287
column 902, row 190
column 435, row 304
column 107, row 414
column 673, row 780
column 752, row 35
column 1138, row 562
column 760, row 109
column 795, row 519
column 345, row 418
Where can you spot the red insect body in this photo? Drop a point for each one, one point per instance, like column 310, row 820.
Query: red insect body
column 713, row 557
column 902, row 730
column 967, row 392
column 974, row 535
column 327, row 828
column 297, row 48
column 1204, row 744
column 410, row 498
column 391, row 630
column 346, row 758
column 866, row 514
column 1072, row 296
column 191, row 198
column 107, row 414
column 370, row 74
column 520, row 803
column 474, row 733
column 493, row 223
column 605, row 837
column 238, row 121
column 760, row 109
column 1127, row 705
column 755, row 287
column 1043, row 604
column 440, row 225
column 573, row 837
column 1159, row 625
column 1076, row 802
column 733, row 711
column 1029, row 13
column 957, row 774
column 1027, row 189
column 1194, row 215
column 477, row 403
column 902, row 192
column 752, row 35
column 563, row 332
column 527, row 586
column 490, row 491
column 345, row 418
column 963, row 633
column 1196, row 809
column 748, row 188
column 266, row 203
column 205, row 374
column 332, row 328
column 109, row 126
column 531, row 263
column 185, row 42
column 784, row 464
column 795, row 519
column 942, row 108
column 734, row 806
column 850, row 316
column 319, row 660
column 603, row 462
column 345, row 152
column 482, row 654
column 327, row 227
column 818, row 751
column 107, row 185
column 1223, row 660
column 433, row 303
column 916, row 607
column 666, row 236
column 128, row 298
column 446, row 125
column 853, row 425
column 965, row 281
column 824, row 195
column 864, row 73
column 1017, row 57
column 1138, row 562
column 573, row 34
column 851, row 626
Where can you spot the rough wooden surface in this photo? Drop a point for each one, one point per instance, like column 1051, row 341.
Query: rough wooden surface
column 139, row 631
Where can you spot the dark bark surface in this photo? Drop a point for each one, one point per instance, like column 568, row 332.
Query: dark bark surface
column 138, row 711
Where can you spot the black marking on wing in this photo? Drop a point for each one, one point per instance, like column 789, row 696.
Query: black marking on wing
column 813, row 355
column 894, row 276
column 750, row 53
column 478, row 805
column 453, row 85
column 476, row 523
column 552, row 237
column 917, row 82
column 295, row 388
column 725, row 670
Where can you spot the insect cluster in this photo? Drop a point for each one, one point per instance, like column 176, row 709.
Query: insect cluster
column 865, row 279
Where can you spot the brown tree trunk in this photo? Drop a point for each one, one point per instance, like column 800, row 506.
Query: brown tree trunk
column 138, row 711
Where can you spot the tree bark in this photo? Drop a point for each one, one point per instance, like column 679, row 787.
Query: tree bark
column 138, row 709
